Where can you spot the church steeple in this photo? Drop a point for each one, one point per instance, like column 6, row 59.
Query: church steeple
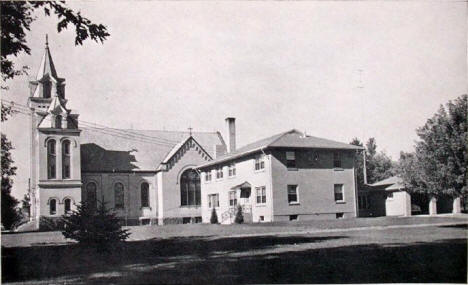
column 47, row 83
column 47, row 66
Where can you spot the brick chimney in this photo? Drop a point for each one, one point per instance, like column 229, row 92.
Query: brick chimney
column 231, row 134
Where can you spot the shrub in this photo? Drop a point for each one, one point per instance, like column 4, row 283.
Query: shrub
column 239, row 216
column 47, row 224
column 94, row 227
column 214, row 217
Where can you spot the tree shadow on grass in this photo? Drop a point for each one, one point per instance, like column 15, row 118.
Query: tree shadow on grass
column 40, row 261
column 202, row 260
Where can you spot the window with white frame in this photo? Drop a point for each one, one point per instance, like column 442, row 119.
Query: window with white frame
column 291, row 159
column 208, row 176
column 293, row 195
column 339, row 194
column 259, row 162
column 213, row 200
column 232, row 169
column 232, row 198
column 219, row 173
column 336, row 160
column 261, row 194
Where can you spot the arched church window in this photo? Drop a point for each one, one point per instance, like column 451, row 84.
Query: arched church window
column 119, row 195
column 67, row 203
column 66, row 159
column 91, row 197
column 51, row 159
column 58, row 122
column 144, row 194
column 190, row 188
column 53, row 206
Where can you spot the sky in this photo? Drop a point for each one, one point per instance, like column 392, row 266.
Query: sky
column 273, row 65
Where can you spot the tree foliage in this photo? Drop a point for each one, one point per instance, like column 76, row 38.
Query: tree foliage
column 438, row 165
column 16, row 19
column 10, row 214
column 94, row 227
column 214, row 217
column 239, row 219
column 378, row 164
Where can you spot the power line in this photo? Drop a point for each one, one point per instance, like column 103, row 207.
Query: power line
column 101, row 128
column 107, row 131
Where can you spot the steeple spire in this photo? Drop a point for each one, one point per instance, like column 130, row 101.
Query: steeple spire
column 47, row 65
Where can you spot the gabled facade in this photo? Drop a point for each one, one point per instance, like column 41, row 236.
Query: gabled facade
column 289, row 176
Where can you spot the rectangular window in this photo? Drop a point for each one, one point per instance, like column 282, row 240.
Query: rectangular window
column 208, row 175
column 336, row 160
column 292, row 194
column 291, row 159
column 213, row 200
column 339, row 195
column 232, row 170
column 339, row 215
column 232, row 198
column 390, row 195
column 219, row 173
column 261, row 194
column 259, row 162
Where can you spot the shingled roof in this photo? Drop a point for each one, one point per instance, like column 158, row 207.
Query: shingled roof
column 118, row 150
column 289, row 139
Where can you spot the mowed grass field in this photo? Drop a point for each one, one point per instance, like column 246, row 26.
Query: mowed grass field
column 281, row 253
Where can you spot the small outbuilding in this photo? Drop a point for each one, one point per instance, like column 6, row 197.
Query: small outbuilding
column 388, row 197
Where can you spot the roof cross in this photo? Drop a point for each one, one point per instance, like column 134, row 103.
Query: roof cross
column 190, row 130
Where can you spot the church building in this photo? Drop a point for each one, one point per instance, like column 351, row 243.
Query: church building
column 146, row 176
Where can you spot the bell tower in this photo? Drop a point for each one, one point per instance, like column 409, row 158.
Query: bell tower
column 55, row 145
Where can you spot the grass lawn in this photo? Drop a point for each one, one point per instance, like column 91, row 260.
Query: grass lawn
column 424, row 254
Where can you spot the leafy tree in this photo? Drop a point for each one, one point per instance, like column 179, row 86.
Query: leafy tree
column 10, row 214
column 239, row 219
column 16, row 19
column 438, row 165
column 378, row 165
column 94, row 227
column 214, row 217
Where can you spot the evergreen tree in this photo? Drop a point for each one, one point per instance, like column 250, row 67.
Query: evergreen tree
column 214, row 217
column 438, row 165
column 239, row 216
column 94, row 227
